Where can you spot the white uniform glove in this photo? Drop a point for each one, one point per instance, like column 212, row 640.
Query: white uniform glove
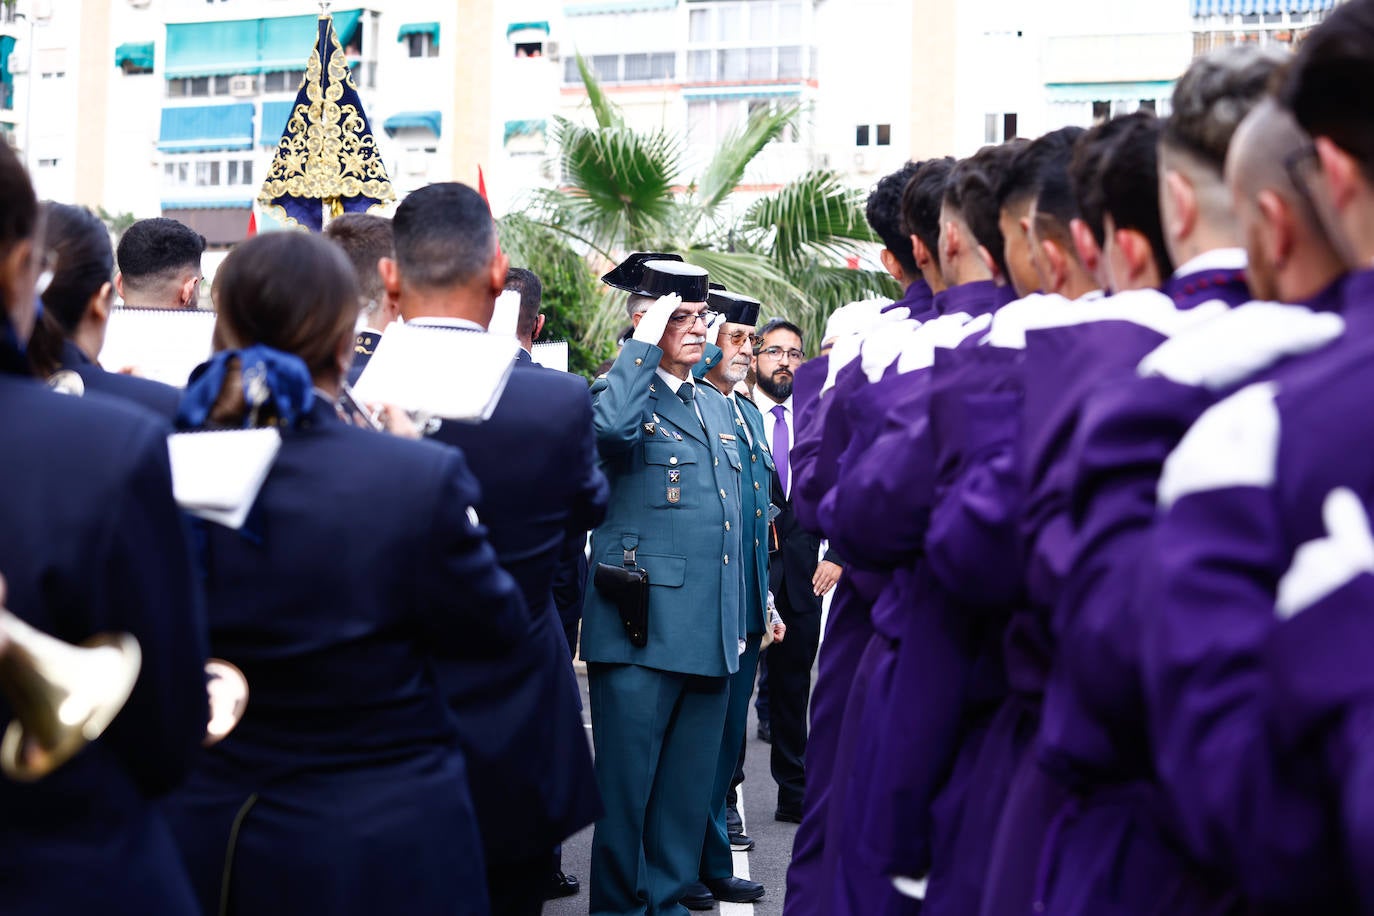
column 842, row 353
column 1322, row 566
column 1233, row 346
column 505, row 318
column 713, row 327
column 654, row 322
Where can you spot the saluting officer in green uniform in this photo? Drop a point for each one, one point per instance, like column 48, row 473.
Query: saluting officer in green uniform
column 725, row 365
column 669, row 449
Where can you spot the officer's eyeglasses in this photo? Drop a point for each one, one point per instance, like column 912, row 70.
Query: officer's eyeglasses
column 778, row 353
column 681, row 321
column 738, row 337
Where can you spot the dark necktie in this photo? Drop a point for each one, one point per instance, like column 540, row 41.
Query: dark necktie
column 686, row 392
column 782, row 443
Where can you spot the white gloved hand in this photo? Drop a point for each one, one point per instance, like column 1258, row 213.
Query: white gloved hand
column 842, row 353
column 654, row 322
column 1224, row 351
column 713, row 327
column 897, row 314
column 883, row 345
column 1322, row 566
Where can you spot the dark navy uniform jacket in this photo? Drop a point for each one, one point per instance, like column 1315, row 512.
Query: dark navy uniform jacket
column 159, row 398
column 343, row 789
column 91, row 542
column 518, row 712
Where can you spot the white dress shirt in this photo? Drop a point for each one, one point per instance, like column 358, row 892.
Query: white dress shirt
column 766, row 405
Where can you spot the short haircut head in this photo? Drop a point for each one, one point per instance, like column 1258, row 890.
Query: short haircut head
column 884, row 212
column 1213, row 97
column 1264, row 142
column 1085, row 169
column 972, row 191
column 1327, row 87
column 444, row 235
column 921, row 200
column 85, row 261
column 153, row 251
column 1129, row 176
column 1020, row 179
column 526, row 282
column 365, row 239
column 780, row 324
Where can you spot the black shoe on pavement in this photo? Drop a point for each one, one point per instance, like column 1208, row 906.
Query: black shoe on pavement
column 788, row 815
column 733, row 822
column 698, row 897
column 740, row 843
column 735, row 890
column 562, row 885
column 765, row 733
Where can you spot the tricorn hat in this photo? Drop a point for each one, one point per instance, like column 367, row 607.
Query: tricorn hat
column 660, row 278
column 736, row 307
column 627, row 275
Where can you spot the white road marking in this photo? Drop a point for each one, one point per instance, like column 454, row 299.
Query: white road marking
column 741, row 864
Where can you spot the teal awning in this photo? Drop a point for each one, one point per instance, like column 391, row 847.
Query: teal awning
column 741, row 92
column 431, row 121
column 274, row 118
column 199, row 128
column 234, row 203
column 527, row 27
column 419, row 28
column 1108, row 92
column 532, row 128
column 137, row 55
column 249, row 45
column 7, row 43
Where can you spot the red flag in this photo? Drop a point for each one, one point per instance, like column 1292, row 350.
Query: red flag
column 252, row 224
column 482, row 189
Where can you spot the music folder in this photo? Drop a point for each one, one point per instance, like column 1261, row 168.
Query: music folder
column 160, row 344
column 217, row 474
column 449, row 373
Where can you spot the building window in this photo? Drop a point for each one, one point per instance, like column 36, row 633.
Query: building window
column 757, row 40
column 999, row 127
column 48, row 163
column 711, row 121
column 529, row 49
column 884, row 135
column 861, row 135
column 655, row 67
column 1148, row 105
column 208, row 171
column 420, row 44
column 1101, row 111
column 282, row 80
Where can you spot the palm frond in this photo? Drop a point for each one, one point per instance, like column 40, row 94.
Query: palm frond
column 619, row 182
column 726, row 168
column 827, row 288
column 756, row 275
column 606, row 111
column 815, row 216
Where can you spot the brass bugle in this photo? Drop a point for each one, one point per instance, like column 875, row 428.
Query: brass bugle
column 63, row 696
column 228, row 690
column 65, row 381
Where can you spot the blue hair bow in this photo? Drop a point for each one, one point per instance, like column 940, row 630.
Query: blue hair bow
column 266, row 375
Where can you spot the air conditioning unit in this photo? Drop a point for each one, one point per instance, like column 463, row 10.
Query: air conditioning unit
column 243, row 85
column 551, row 50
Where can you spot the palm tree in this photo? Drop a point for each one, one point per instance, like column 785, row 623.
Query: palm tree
column 624, row 190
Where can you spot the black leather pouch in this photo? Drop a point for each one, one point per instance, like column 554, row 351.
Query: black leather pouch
column 628, row 588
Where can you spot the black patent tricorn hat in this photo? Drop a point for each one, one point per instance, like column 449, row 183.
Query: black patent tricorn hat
column 736, row 307
column 628, row 273
column 661, row 278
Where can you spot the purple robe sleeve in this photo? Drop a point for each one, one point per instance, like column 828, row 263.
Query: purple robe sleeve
column 1240, row 806
column 972, row 544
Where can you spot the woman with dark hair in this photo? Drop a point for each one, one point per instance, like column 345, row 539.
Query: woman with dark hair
column 92, row 542
column 342, row 790
column 76, row 310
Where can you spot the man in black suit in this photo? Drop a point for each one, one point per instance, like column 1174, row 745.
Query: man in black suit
column 366, row 239
column 797, row 576
column 528, row 760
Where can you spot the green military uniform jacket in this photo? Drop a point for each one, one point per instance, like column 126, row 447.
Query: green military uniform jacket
column 675, row 500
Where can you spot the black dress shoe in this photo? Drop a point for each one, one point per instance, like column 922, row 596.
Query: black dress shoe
column 765, row 733
column 788, row 815
column 698, row 897
column 740, row 843
column 735, row 890
column 562, row 885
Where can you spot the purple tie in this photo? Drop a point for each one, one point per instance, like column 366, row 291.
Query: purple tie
column 781, row 445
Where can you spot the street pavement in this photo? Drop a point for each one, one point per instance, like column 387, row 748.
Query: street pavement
column 767, row 863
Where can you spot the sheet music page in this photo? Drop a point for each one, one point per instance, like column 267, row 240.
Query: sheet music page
column 217, row 474
column 440, row 372
column 161, row 344
column 551, row 354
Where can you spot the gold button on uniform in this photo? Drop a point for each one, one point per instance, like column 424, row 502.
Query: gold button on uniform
column 758, row 513
column 722, row 494
column 727, row 561
column 673, row 460
column 727, row 526
column 717, row 462
column 639, row 362
column 756, row 485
